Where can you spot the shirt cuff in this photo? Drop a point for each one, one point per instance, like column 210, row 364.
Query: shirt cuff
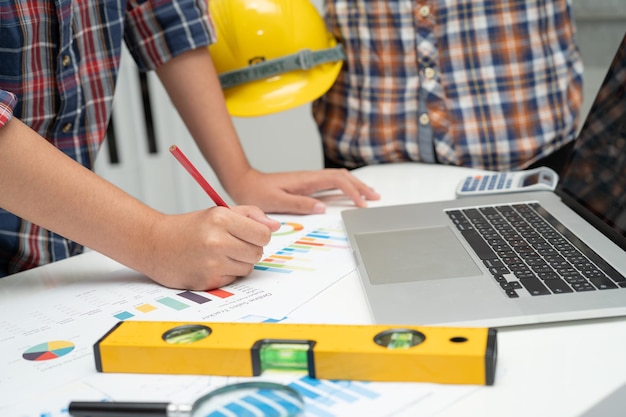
column 158, row 31
column 7, row 103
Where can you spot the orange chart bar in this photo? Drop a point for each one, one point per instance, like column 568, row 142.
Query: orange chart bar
column 218, row 292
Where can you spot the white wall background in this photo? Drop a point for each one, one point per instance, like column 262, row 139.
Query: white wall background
column 280, row 142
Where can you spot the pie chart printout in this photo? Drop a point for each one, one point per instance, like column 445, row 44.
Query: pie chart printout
column 49, row 350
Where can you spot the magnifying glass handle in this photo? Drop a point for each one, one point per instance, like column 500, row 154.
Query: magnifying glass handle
column 127, row 409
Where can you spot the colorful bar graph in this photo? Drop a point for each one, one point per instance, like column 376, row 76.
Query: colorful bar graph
column 173, row 303
column 293, row 257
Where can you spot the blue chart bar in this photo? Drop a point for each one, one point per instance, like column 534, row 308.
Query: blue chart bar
column 257, row 404
column 267, row 268
column 358, row 389
column 265, row 402
column 271, row 320
column 124, row 315
column 240, row 411
column 289, row 251
column 324, row 235
column 322, row 395
column 331, row 389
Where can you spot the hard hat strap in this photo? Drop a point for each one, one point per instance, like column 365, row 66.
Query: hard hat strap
column 302, row 60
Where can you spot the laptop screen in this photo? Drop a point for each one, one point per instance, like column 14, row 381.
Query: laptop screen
column 594, row 182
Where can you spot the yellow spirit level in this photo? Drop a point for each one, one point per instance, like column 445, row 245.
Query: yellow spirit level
column 351, row 352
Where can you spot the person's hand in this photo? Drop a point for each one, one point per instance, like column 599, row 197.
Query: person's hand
column 207, row 249
column 290, row 192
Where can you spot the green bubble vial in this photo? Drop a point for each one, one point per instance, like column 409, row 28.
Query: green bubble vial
column 284, row 357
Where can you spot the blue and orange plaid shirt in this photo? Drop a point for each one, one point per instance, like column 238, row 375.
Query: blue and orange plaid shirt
column 59, row 62
column 479, row 83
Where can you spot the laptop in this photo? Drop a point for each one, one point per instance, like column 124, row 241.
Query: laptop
column 509, row 259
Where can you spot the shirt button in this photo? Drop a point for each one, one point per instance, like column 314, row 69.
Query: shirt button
column 429, row 73
column 424, row 11
column 424, row 119
column 66, row 60
column 66, row 127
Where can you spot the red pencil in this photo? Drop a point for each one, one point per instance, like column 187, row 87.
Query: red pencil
column 186, row 163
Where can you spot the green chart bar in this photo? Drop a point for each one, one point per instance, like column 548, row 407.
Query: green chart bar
column 172, row 303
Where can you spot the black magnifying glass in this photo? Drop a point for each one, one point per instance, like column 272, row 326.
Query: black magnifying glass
column 260, row 397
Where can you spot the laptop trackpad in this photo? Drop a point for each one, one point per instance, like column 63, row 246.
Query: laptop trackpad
column 414, row 255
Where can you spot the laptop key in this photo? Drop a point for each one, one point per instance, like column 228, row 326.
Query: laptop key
column 547, row 275
column 617, row 277
column 558, row 286
column 506, row 286
column 583, row 286
column 523, row 273
column 493, row 263
column 512, row 293
column 602, row 283
column 592, row 273
column 478, row 244
column 534, row 286
column 500, row 278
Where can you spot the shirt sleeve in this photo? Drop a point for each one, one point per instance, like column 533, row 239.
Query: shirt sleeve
column 7, row 103
column 156, row 31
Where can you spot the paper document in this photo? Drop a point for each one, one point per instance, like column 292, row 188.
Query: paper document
column 47, row 337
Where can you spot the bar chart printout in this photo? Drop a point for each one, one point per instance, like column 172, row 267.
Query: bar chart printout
column 178, row 301
column 304, row 249
column 49, row 334
column 326, row 398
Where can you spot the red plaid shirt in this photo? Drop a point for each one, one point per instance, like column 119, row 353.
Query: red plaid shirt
column 59, row 61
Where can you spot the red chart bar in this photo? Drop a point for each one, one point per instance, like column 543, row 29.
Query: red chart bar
column 218, row 292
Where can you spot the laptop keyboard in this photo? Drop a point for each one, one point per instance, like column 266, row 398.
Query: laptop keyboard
column 528, row 251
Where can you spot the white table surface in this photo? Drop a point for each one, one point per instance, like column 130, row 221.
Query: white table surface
column 542, row 370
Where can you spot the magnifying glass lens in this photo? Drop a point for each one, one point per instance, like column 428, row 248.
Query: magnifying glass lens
column 250, row 398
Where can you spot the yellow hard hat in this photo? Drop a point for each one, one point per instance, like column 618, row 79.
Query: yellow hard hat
column 272, row 55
